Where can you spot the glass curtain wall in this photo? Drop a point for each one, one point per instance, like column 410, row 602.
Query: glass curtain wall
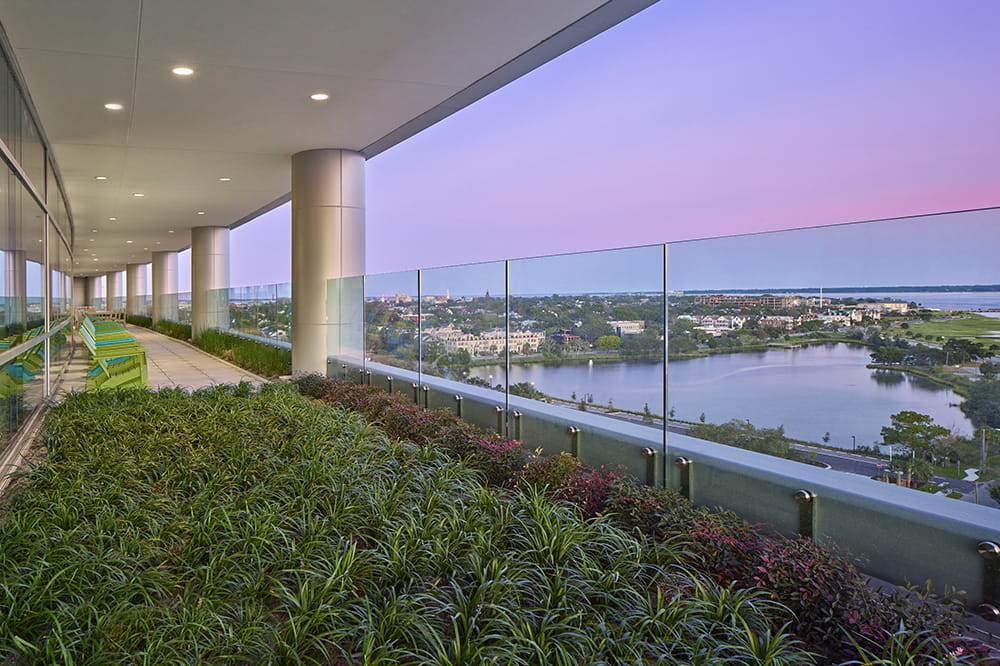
column 36, row 236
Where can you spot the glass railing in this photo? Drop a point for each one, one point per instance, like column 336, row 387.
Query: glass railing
column 800, row 344
column 258, row 311
column 856, row 363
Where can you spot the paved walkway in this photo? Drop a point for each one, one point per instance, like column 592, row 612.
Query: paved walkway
column 169, row 363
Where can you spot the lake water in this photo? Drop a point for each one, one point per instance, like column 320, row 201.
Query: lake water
column 810, row 391
column 939, row 300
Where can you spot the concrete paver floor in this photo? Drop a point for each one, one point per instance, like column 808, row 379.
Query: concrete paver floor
column 169, row 362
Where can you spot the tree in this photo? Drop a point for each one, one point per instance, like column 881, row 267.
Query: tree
column 609, row 342
column 647, row 415
column 826, row 438
column 983, row 404
column 995, row 493
column 960, row 350
column 702, row 417
column 888, row 355
column 915, row 431
column 989, row 370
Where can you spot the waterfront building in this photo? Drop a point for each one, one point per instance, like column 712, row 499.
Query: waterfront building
column 487, row 343
column 627, row 327
column 746, row 301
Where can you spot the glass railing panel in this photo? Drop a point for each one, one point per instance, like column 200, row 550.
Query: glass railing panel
column 587, row 332
column 345, row 338
column 463, row 324
column 167, row 307
column 391, row 313
column 262, row 310
column 184, row 307
column 852, row 346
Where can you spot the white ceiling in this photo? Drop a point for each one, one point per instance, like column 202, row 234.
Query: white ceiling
column 391, row 68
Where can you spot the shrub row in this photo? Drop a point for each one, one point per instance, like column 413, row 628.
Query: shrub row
column 234, row 526
column 174, row 329
column 838, row 614
column 255, row 356
column 139, row 320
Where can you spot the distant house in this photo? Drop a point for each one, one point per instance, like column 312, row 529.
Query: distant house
column 563, row 336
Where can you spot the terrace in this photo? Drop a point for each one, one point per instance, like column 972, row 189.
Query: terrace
column 336, row 322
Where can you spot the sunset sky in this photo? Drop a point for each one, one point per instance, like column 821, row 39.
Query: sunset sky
column 694, row 119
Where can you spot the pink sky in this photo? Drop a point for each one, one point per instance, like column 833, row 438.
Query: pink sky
column 694, row 119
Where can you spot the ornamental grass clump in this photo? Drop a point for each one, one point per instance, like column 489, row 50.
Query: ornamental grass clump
column 243, row 526
column 837, row 614
column 139, row 320
column 174, row 329
column 253, row 355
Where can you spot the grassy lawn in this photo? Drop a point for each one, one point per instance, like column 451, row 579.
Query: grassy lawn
column 966, row 325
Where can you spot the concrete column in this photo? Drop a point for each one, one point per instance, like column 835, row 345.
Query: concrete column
column 209, row 279
column 135, row 287
column 15, row 279
column 165, row 285
column 93, row 289
column 79, row 292
column 114, row 288
column 328, row 241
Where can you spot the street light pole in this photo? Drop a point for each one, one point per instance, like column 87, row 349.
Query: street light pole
column 854, row 443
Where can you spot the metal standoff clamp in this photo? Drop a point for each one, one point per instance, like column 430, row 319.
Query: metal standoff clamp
column 574, row 441
column 649, row 454
column 684, row 465
column 990, row 552
column 806, row 516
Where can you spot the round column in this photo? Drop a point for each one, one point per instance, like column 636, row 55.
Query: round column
column 114, row 288
column 135, row 289
column 209, row 279
column 79, row 292
column 164, row 285
column 93, row 289
column 328, row 242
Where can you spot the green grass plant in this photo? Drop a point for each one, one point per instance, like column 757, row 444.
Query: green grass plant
column 836, row 608
column 139, row 320
column 253, row 355
column 242, row 526
column 174, row 329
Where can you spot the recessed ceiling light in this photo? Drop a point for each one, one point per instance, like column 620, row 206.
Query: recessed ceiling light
column 182, row 71
column 129, row 241
column 157, row 242
column 113, row 106
column 319, row 97
column 201, row 212
column 138, row 194
column 100, row 177
column 171, row 231
column 225, row 179
column 95, row 258
column 93, row 231
column 91, row 240
column 40, row 240
column 112, row 218
column 145, row 248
